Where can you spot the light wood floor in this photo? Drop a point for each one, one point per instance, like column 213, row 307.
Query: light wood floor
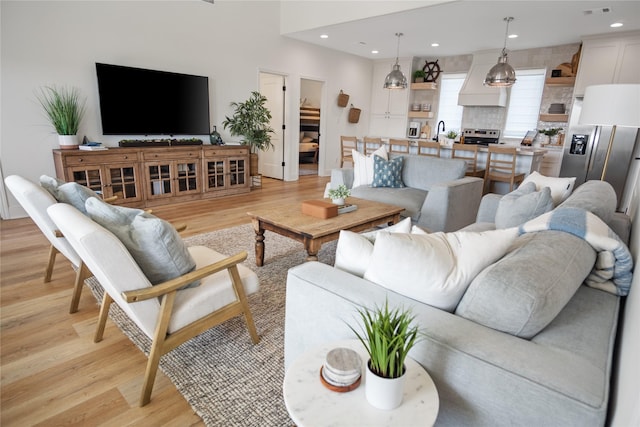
column 52, row 371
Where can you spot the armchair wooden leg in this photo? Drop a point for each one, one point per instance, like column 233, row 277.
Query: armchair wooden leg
column 102, row 319
column 237, row 285
column 82, row 274
column 157, row 347
column 52, row 260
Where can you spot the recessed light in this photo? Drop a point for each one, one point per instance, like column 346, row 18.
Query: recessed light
column 435, row 44
column 324, row 36
column 513, row 36
column 616, row 25
column 374, row 51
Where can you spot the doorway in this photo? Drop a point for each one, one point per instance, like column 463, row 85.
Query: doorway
column 271, row 162
column 310, row 139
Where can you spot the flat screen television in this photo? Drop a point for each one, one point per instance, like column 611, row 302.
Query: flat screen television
column 137, row 101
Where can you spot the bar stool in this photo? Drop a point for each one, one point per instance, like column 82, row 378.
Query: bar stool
column 400, row 146
column 501, row 167
column 468, row 153
column 347, row 143
column 371, row 144
column 425, row 147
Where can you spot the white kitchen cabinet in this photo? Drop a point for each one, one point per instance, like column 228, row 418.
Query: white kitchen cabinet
column 606, row 60
column 389, row 107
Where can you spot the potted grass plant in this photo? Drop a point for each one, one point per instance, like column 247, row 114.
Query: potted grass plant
column 251, row 120
column 388, row 335
column 64, row 107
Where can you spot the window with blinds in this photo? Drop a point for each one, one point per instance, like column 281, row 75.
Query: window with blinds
column 524, row 103
column 448, row 109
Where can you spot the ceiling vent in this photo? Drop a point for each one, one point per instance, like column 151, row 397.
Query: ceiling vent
column 597, row 11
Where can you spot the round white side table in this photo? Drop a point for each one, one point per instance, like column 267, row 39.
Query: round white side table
column 312, row 404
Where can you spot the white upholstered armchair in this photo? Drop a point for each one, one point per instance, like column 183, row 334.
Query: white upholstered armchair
column 168, row 315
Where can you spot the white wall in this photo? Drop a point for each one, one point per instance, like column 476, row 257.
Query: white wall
column 58, row 42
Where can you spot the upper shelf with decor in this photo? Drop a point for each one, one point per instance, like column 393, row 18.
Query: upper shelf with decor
column 560, row 81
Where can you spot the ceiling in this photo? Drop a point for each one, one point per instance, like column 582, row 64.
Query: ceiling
column 467, row 26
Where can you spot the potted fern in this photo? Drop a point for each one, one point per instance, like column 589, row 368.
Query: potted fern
column 251, row 120
column 387, row 335
column 64, row 108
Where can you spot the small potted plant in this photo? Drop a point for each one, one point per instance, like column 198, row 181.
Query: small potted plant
column 251, row 120
column 550, row 135
column 418, row 76
column 64, row 108
column 338, row 195
column 450, row 137
column 387, row 335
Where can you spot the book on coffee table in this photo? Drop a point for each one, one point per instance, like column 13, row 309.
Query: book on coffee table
column 346, row 208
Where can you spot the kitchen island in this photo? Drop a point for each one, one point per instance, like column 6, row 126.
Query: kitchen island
column 529, row 159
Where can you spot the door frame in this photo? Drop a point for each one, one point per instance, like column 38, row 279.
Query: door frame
column 323, row 115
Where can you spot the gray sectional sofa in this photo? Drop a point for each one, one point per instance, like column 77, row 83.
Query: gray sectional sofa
column 436, row 196
column 527, row 345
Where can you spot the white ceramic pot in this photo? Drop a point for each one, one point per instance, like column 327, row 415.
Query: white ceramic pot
column 338, row 202
column 384, row 393
column 68, row 142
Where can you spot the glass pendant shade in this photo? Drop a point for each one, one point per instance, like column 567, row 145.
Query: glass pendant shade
column 501, row 74
column 395, row 79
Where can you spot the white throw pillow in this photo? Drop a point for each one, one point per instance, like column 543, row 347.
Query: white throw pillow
column 435, row 268
column 363, row 166
column 561, row 188
column 354, row 250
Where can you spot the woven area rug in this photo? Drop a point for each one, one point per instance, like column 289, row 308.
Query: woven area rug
column 226, row 379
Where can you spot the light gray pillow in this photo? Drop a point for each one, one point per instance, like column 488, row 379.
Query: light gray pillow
column 525, row 290
column 152, row 242
column 51, row 184
column 523, row 204
column 71, row 193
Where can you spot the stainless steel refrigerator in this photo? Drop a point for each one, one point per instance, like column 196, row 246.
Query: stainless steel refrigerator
column 585, row 150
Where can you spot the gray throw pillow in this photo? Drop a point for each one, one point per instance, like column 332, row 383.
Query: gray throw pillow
column 522, row 205
column 152, row 242
column 71, row 193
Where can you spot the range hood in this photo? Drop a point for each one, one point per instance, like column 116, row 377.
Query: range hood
column 473, row 91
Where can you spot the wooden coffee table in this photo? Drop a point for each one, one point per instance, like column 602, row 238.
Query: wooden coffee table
column 289, row 221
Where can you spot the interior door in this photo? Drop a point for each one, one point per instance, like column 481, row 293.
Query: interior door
column 271, row 162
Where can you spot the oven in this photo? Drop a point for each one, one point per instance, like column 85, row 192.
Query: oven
column 481, row 136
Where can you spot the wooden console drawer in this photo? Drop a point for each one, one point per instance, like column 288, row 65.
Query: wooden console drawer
column 226, row 152
column 103, row 158
column 171, row 155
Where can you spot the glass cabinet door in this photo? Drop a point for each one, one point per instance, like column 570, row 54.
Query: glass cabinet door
column 123, row 182
column 237, row 171
column 89, row 176
column 187, row 173
column 215, row 178
column 158, row 178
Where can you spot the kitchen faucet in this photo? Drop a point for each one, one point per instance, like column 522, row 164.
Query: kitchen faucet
column 435, row 138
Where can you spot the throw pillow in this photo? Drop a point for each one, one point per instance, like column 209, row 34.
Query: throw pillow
column 561, row 188
column 387, row 173
column 71, row 192
column 354, row 250
column 152, row 242
column 51, row 184
column 522, row 205
column 363, row 166
column 435, row 268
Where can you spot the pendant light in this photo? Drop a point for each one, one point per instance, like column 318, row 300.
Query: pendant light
column 502, row 74
column 395, row 79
